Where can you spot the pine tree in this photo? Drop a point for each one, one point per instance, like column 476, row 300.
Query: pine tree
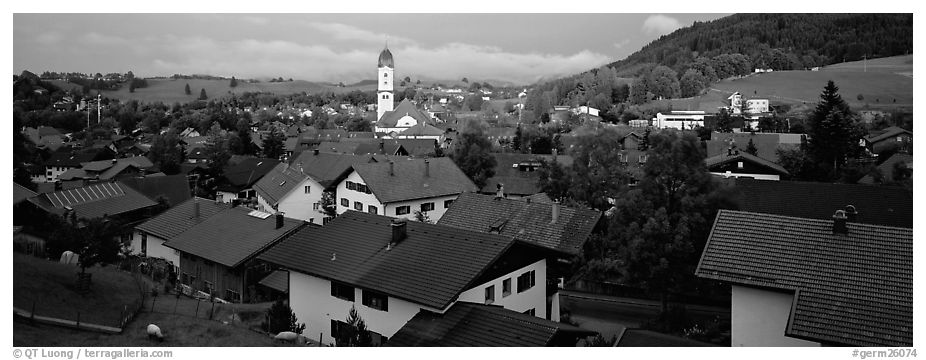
column 834, row 132
column 202, row 94
column 280, row 317
column 233, row 82
column 186, row 90
column 751, row 148
column 355, row 333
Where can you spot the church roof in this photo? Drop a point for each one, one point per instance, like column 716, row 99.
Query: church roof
column 385, row 59
column 406, row 107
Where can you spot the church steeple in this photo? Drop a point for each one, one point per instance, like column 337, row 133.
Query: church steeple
column 386, row 70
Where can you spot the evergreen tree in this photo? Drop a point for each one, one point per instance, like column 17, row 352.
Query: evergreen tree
column 202, row 94
column 186, row 90
column 751, row 148
column 834, row 131
column 472, row 154
column 273, row 144
column 233, row 82
column 280, row 317
column 723, row 122
column 355, row 334
column 516, row 141
column 644, row 142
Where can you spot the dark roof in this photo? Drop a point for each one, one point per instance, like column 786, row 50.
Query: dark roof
column 385, row 59
column 338, row 147
column 327, row 168
column 649, row 338
column 21, row 193
column 93, row 201
column 244, row 174
column 408, row 180
column 880, row 205
column 198, row 152
column 853, row 289
column 886, row 134
column 277, row 280
column 431, row 266
column 102, row 165
column 72, row 158
column 180, row 218
column 390, row 147
column 468, row 324
column 422, row 129
column 391, row 118
column 530, row 222
column 767, row 145
column 174, row 188
column 887, row 167
column 278, row 182
column 744, row 156
column 232, row 236
column 418, row 147
column 519, row 182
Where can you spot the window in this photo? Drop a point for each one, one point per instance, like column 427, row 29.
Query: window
column 207, row 287
column 342, row 291
column 326, row 219
column 144, row 244
column 49, row 174
column 530, row 312
column 447, row 204
column 427, row 207
column 490, row 294
column 351, row 185
column 358, row 206
column 402, row 210
column 375, row 300
column 525, row 281
column 739, row 164
column 185, row 279
column 372, row 209
column 316, row 206
column 345, row 202
column 308, row 189
column 385, row 74
column 506, row 287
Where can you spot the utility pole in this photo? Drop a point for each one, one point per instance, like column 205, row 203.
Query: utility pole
column 98, row 97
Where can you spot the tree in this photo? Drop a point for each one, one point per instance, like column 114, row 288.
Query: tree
column 166, row 153
column 465, row 80
column 202, row 94
column 273, row 144
column 216, row 151
column 280, row 317
column 358, row 124
column 472, row 154
column 422, row 216
column 834, row 131
column 355, row 333
column 96, row 240
column 663, row 82
column 751, row 148
column 186, row 90
column 233, row 82
column 517, row 140
column 692, row 82
column 723, row 122
column 644, row 142
column 241, row 144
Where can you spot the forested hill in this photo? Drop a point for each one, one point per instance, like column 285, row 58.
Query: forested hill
column 780, row 41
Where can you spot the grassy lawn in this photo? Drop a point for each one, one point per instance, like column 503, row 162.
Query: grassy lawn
column 52, row 288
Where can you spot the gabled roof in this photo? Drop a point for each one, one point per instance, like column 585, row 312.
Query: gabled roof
column 767, row 144
column 390, row 147
column 422, row 129
column 98, row 166
column 232, row 236
column 21, row 193
column 197, row 152
column 431, row 266
column 744, row 156
column 468, row 324
column 880, row 205
column 326, row 169
column 391, row 118
column 408, row 179
column 290, row 143
column 174, row 188
column 279, row 182
column 853, row 289
column 529, row 222
column 887, row 167
column 181, row 217
column 245, row 173
column 886, row 134
column 339, row 147
column 418, row 147
column 72, row 158
column 93, row 201
column 516, row 181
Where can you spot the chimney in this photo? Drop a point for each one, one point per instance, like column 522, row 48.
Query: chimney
column 528, row 199
column 555, row 212
column 427, row 168
column 391, row 168
column 839, row 222
column 398, row 231
column 114, row 161
column 279, row 220
column 196, row 208
column 851, row 213
column 500, row 193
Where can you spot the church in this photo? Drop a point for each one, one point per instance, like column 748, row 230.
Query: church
column 394, row 120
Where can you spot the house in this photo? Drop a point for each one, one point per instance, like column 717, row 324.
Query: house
column 103, row 200
column 813, row 282
column 767, row 144
column 418, row 147
column 420, row 131
column 239, row 179
column 21, row 193
column 65, row 159
column 197, row 155
column 105, row 170
column 680, row 120
column 878, row 205
column 586, row 110
column 470, row 324
column 740, row 164
column 45, row 137
column 216, row 253
column 296, row 189
column 894, row 138
column 558, row 228
column 896, row 167
column 755, row 108
column 389, row 270
column 189, row 132
column 174, row 189
column 402, row 187
column 364, row 146
column 405, row 116
column 148, row 238
column 518, row 173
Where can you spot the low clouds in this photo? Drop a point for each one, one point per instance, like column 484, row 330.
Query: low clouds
column 660, row 25
column 352, row 33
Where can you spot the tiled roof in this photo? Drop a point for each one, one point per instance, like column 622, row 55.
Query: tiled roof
column 139, row 162
column 422, row 129
column 887, row 167
column 418, row 147
column 390, row 147
column 530, row 222
column 339, row 147
column 431, row 266
column 854, row 289
column 69, row 158
column 744, row 156
column 408, row 179
column 540, row 198
column 74, row 173
column 232, row 236
column 278, row 182
column 327, row 168
column 766, row 144
column 180, row 218
column 516, row 181
column 244, row 174
column 880, row 205
column 391, row 118
column 92, row 201
column 174, row 188
column 886, row 134
column 468, row 324
column 277, row 280
column 21, row 193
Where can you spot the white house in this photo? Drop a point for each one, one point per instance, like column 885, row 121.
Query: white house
column 403, row 186
column 813, row 282
column 755, row 107
column 404, row 117
column 296, row 188
column 149, row 237
column 391, row 269
column 740, row 164
column 586, row 110
column 679, row 120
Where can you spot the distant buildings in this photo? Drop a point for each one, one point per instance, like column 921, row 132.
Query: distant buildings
column 680, row 120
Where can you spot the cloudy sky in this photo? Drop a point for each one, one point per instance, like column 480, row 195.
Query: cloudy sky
column 520, row 48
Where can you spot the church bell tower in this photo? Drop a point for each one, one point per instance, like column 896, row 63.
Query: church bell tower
column 384, row 80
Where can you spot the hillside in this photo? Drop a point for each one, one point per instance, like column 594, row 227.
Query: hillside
column 169, row 90
column 802, row 40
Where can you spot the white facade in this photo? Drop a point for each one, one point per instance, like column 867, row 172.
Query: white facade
column 682, row 120
column 730, row 174
column 384, row 97
column 311, row 300
column 753, row 106
column 303, row 202
column 53, row 172
column 365, row 200
column 759, row 318
column 153, row 247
